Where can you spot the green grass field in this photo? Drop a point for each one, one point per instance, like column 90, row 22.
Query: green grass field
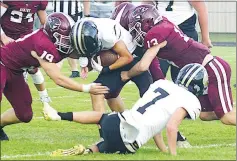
column 35, row 140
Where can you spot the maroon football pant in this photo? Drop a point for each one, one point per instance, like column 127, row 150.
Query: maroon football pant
column 219, row 97
column 17, row 93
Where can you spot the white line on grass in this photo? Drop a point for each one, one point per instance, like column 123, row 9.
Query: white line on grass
column 145, row 147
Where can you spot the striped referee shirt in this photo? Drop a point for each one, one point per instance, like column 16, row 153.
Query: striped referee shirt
column 69, row 7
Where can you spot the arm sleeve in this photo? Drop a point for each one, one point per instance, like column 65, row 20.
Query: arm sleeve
column 155, row 70
column 112, row 35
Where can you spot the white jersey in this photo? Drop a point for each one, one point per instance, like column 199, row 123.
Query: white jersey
column 110, row 32
column 151, row 113
column 176, row 11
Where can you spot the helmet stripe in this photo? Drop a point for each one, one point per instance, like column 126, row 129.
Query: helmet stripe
column 193, row 75
column 80, row 36
column 75, row 35
column 188, row 73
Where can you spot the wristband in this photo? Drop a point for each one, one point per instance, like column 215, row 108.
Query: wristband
column 86, row 87
column 105, row 70
column 87, row 15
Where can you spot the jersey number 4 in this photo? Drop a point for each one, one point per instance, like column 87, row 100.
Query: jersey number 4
column 17, row 16
column 162, row 93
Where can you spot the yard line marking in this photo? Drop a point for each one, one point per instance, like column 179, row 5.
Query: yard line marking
column 24, row 155
column 199, row 146
column 145, row 147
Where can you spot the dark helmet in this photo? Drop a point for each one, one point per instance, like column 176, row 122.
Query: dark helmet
column 141, row 20
column 84, row 38
column 58, row 27
column 194, row 78
column 121, row 13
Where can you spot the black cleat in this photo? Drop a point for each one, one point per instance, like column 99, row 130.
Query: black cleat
column 3, row 135
column 74, row 74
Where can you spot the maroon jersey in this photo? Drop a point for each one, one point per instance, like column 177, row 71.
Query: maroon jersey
column 17, row 55
column 18, row 20
column 180, row 49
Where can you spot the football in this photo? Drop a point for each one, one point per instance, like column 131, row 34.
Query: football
column 106, row 58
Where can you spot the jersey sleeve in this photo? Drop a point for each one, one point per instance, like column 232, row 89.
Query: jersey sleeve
column 111, row 36
column 43, row 5
column 153, row 38
column 193, row 107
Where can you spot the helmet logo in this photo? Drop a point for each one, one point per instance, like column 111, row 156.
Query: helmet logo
column 54, row 23
column 139, row 11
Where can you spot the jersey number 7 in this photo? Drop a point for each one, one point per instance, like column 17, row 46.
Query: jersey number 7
column 162, row 93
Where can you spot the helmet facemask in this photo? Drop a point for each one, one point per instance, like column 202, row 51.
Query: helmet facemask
column 63, row 43
column 137, row 34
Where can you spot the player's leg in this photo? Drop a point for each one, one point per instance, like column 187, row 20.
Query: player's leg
column 143, row 82
column 164, row 66
column 3, row 78
column 116, row 104
column 98, row 103
column 219, row 90
column 74, row 68
column 113, row 81
column 38, row 80
column 18, row 94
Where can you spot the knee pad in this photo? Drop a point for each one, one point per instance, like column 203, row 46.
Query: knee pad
column 37, row 77
column 25, row 116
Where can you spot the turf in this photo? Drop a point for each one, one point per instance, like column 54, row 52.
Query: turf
column 33, row 141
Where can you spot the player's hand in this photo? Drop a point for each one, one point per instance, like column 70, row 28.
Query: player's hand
column 84, row 72
column 96, row 66
column 162, row 44
column 5, row 39
column 124, row 76
column 95, row 88
column 35, row 55
column 207, row 42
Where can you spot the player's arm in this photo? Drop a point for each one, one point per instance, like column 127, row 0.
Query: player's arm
column 172, row 128
column 202, row 12
column 144, row 63
column 4, row 38
column 125, row 57
column 54, row 73
column 160, row 142
column 42, row 14
column 86, row 5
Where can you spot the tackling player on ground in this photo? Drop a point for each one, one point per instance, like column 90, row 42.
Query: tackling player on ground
column 164, row 105
column 44, row 47
column 17, row 19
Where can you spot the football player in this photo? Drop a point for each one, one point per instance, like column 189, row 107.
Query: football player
column 184, row 15
column 17, row 19
column 149, row 28
column 90, row 36
column 44, row 47
column 164, row 105
column 121, row 15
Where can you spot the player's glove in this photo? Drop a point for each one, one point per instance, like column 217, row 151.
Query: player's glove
column 99, row 68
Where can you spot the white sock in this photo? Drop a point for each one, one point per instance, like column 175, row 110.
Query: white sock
column 43, row 93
